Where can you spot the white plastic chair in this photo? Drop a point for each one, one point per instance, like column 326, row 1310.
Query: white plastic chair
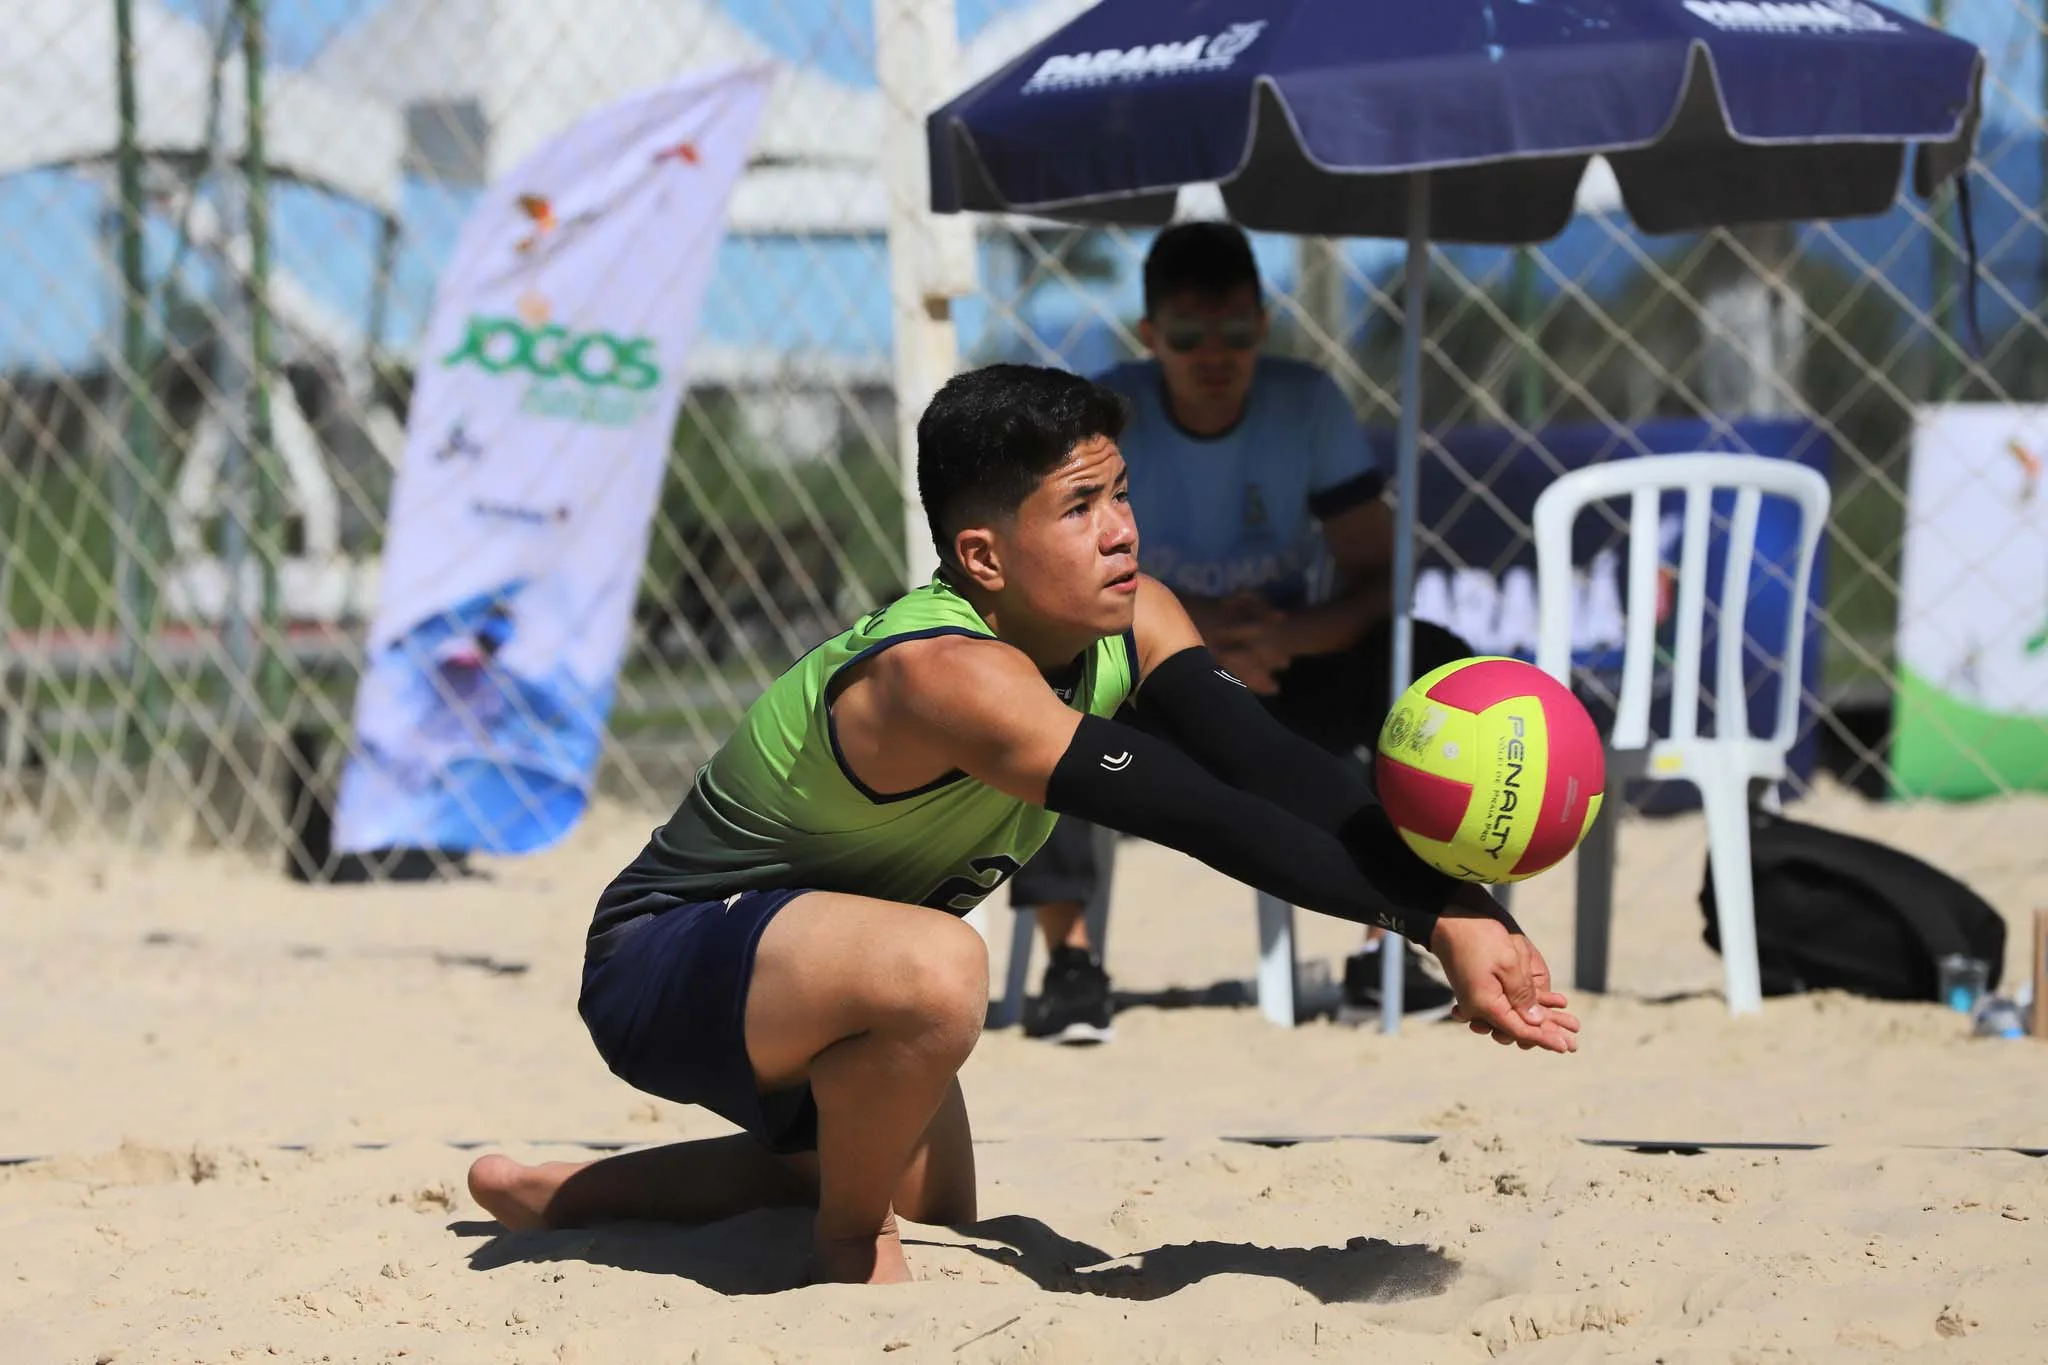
column 1277, row 962
column 1727, row 765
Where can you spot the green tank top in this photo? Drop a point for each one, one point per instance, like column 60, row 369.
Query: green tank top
column 777, row 807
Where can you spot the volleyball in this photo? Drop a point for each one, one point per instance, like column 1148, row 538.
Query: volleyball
column 1491, row 769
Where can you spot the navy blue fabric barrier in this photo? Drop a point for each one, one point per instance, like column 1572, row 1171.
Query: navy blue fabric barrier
column 1475, row 561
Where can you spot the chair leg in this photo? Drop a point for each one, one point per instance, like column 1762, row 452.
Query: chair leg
column 1276, row 960
column 1009, row 1011
column 1095, row 914
column 1595, row 911
column 1727, row 808
column 1393, row 982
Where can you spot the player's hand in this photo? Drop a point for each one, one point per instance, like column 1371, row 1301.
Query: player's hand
column 1502, row 984
column 1256, row 635
column 1214, row 616
column 1246, row 608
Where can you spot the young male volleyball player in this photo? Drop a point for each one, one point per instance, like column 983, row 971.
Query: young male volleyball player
column 788, row 950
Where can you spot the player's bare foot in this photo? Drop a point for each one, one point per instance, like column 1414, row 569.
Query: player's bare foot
column 876, row 1259
column 517, row 1195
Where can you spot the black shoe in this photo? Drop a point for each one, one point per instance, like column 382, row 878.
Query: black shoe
column 1424, row 994
column 1073, row 1004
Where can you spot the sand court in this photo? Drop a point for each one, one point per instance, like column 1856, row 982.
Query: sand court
column 252, row 1103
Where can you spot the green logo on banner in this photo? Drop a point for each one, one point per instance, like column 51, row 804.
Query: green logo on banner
column 595, row 377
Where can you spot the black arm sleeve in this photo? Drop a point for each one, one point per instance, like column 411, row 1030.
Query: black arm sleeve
column 1119, row 776
column 1216, row 721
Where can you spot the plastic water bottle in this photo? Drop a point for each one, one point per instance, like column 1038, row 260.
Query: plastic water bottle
column 1998, row 1017
column 1964, row 981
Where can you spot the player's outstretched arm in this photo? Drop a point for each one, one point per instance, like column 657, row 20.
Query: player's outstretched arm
column 981, row 708
column 1188, row 700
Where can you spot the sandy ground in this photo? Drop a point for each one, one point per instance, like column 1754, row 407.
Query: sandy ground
column 251, row 1105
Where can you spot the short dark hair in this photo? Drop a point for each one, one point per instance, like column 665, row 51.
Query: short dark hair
column 991, row 435
column 1203, row 257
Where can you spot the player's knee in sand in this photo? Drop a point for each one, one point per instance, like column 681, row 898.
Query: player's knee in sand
column 874, row 1006
column 936, row 989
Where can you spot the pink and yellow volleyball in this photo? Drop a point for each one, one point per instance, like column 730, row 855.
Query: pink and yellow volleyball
column 1491, row 769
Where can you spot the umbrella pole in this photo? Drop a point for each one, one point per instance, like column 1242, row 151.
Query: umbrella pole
column 1406, row 478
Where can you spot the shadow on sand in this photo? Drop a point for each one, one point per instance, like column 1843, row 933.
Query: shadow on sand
column 764, row 1253
column 1363, row 1270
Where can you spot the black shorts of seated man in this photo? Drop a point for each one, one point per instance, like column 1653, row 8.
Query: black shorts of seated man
column 789, row 951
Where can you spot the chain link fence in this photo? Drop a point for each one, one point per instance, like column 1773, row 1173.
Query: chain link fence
column 207, row 347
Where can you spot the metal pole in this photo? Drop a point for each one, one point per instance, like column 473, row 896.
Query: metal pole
column 1528, row 373
column 17, row 677
column 1942, row 263
column 268, row 516
column 231, row 379
column 1407, row 478
column 122, row 496
column 231, row 382
column 380, row 294
column 139, row 491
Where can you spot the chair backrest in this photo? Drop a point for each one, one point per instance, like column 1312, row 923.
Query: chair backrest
column 1643, row 481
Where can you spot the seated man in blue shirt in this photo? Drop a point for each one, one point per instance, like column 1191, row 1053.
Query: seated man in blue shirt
column 1259, row 502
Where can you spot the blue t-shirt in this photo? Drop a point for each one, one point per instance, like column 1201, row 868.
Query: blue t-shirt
column 1221, row 514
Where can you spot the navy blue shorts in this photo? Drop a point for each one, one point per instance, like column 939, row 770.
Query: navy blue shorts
column 667, row 1009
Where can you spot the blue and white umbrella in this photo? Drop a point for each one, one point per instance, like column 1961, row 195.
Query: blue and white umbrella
column 1318, row 116
column 1463, row 121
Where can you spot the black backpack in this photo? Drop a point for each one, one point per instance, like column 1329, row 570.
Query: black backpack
column 1835, row 912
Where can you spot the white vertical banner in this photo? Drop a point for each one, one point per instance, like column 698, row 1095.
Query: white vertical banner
column 549, row 381
column 1971, row 712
